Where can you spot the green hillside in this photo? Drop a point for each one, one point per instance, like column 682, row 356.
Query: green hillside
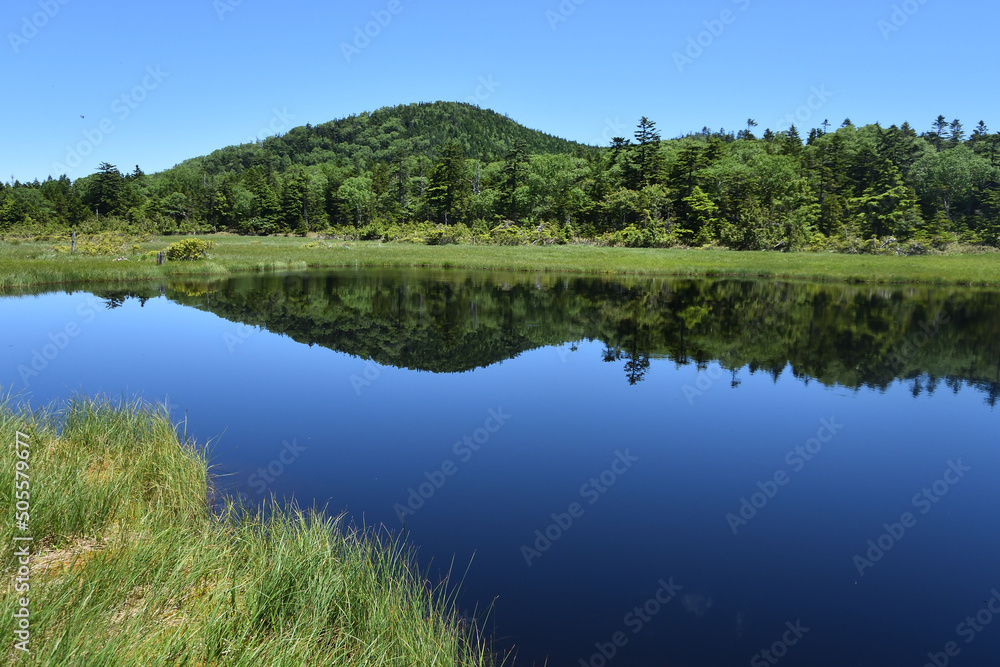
column 453, row 173
column 388, row 135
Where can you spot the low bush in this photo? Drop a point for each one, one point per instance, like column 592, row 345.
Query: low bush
column 189, row 249
column 102, row 244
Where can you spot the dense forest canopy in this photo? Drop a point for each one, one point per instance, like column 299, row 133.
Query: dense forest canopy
column 413, row 171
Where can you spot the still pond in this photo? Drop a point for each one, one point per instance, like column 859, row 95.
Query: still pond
column 654, row 471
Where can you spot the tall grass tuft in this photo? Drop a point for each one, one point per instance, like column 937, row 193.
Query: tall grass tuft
column 131, row 567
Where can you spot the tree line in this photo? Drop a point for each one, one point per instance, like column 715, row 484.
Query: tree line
column 453, row 171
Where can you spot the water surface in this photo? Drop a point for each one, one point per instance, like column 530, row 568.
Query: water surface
column 666, row 471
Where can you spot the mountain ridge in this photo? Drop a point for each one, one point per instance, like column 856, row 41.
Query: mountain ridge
column 387, row 134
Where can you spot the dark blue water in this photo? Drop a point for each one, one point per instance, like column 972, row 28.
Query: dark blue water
column 652, row 472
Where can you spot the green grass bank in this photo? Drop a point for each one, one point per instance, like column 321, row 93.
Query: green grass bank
column 129, row 566
column 28, row 263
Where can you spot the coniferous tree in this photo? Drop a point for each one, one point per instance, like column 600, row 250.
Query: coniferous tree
column 980, row 139
column 515, row 172
column 887, row 206
column 956, row 134
column 107, row 191
column 938, row 132
column 266, row 208
column 295, row 203
column 748, row 133
column 447, row 186
column 644, row 164
column 619, row 149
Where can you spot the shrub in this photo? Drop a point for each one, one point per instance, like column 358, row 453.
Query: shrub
column 373, row 231
column 444, row 235
column 633, row 237
column 102, row 244
column 508, row 233
column 257, row 226
column 189, row 249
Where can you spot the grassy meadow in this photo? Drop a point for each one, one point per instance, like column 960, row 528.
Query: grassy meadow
column 129, row 565
column 32, row 263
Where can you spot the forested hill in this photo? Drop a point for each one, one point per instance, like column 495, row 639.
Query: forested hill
column 449, row 172
column 390, row 134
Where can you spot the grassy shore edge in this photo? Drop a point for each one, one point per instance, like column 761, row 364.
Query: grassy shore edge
column 129, row 565
column 32, row 263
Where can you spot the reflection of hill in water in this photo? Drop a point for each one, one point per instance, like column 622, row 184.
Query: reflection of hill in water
column 452, row 321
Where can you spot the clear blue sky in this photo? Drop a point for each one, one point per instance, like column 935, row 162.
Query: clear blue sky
column 230, row 70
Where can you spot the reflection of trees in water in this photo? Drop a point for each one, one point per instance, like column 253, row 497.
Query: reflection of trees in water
column 114, row 300
column 636, row 367
column 451, row 321
column 636, row 364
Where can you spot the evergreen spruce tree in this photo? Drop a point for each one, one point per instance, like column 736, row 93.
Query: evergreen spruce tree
column 447, row 185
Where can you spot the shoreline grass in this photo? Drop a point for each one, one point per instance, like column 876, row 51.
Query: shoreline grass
column 25, row 264
column 129, row 565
